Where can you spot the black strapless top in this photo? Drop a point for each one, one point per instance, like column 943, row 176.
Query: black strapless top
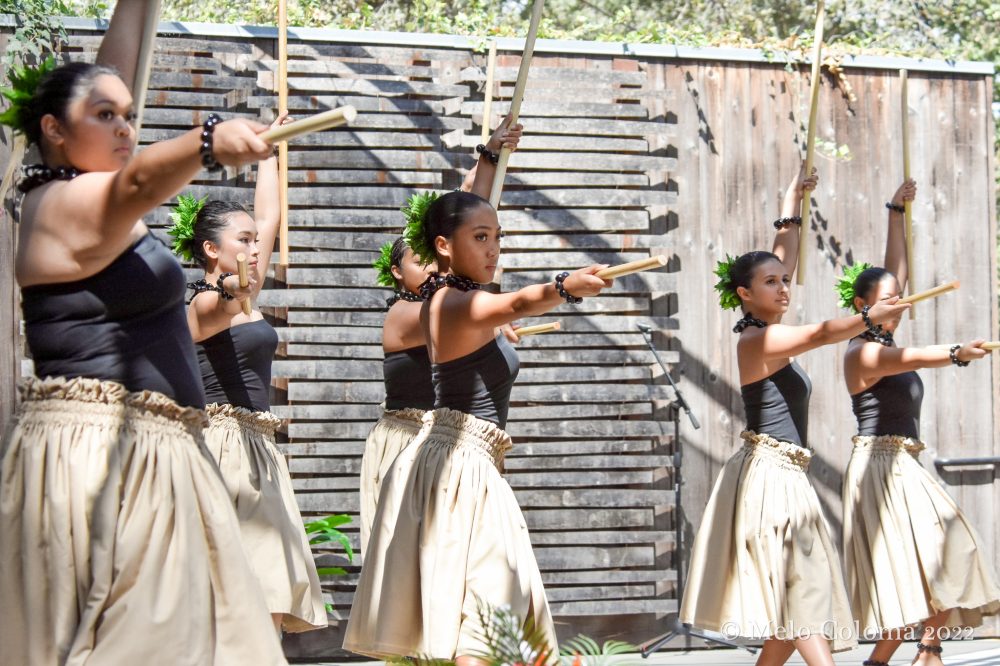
column 407, row 376
column 779, row 405
column 478, row 383
column 236, row 365
column 891, row 406
column 126, row 324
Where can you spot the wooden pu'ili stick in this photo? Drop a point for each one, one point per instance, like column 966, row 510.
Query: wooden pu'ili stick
column 241, row 267
column 800, row 276
column 931, row 293
column 908, row 212
column 317, row 123
column 538, row 328
column 515, row 101
column 283, row 146
column 144, row 64
column 632, row 267
column 491, row 65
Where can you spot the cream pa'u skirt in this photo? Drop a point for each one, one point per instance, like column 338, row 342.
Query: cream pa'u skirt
column 390, row 435
column 763, row 565
column 448, row 533
column 256, row 476
column 118, row 542
column 910, row 552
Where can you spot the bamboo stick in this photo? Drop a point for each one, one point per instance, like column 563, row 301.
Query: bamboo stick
column 931, row 293
column 317, row 123
column 538, row 328
column 800, row 276
column 491, row 64
column 636, row 266
column 988, row 346
column 144, row 64
column 515, row 101
column 283, row 146
column 241, row 267
column 907, row 212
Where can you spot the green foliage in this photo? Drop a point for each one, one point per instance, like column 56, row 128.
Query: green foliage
column 183, row 216
column 415, row 212
column 584, row 651
column 24, row 81
column 509, row 639
column 324, row 530
column 383, row 267
column 728, row 298
column 845, row 285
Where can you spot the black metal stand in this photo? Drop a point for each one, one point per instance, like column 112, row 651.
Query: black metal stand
column 678, row 628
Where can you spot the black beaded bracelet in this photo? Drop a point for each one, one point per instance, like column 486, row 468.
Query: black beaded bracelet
column 784, row 222
column 490, row 155
column 873, row 328
column 207, row 156
column 222, row 290
column 896, row 208
column 953, row 353
column 562, row 289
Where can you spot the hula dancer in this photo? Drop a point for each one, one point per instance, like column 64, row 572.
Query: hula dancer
column 912, row 557
column 235, row 351
column 407, row 366
column 119, row 542
column 449, row 534
column 763, row 564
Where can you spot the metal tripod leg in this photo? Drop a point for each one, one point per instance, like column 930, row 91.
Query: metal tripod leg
column 680, row 629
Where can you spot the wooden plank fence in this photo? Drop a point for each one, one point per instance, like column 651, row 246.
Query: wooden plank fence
column 625, row 156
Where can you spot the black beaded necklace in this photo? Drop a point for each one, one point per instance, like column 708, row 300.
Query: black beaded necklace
column 437, row 281
column 747, row 321
column 201, row 285
column 402, row 295
column 36, row 175
column 882, row 337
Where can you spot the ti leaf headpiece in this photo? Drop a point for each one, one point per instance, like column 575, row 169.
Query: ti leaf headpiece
column 728, row 298
column 845, row 284
column 23, row 84
column 383, row 267
column 182, row 229
column 415, row 212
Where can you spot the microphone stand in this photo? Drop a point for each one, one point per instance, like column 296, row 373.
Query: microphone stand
column 678, row 628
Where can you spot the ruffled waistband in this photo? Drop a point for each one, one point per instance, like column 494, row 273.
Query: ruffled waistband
column 887, row 444
column 785, row 454
column 231, row 416
column 55, row 393
column 463, row 430
column 409, row 417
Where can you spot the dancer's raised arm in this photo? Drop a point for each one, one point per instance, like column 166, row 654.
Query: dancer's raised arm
column 895, row 243
column 789, row 225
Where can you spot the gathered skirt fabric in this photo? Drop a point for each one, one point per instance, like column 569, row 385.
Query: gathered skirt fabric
column 118, row 542
column 448, row 536
column 763, row 565
column 390, row 435
column 256, row 476
column 909, row 551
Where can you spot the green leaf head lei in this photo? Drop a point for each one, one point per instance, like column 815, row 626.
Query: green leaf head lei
column 728, row 298
column 23, row 84
column 845, row 284
column 415, row 212
column 383, row 267
column 183, row 217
